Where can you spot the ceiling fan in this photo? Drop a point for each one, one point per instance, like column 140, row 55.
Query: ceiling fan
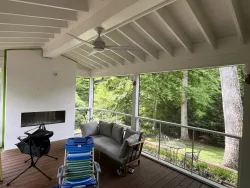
column 99, row 45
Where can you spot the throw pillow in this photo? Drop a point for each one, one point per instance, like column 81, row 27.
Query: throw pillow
column 117, row 133
column 125, row 146
column 129, row 133
column 105, row 128
column 89, row 129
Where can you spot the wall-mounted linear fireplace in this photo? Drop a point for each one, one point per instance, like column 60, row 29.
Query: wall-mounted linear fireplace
column 36, row 118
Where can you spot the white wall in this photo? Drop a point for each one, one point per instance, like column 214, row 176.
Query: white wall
column 31, row 87
column 1, row 89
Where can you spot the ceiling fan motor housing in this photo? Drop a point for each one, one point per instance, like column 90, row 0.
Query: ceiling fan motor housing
column 99, row 44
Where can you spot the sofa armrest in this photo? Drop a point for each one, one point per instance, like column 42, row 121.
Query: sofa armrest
column 134, row 151
column 137, row 143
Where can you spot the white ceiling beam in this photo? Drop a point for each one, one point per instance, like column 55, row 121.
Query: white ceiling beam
column 20, row 45
column 137, row 10
column 122, row 53
column 83, row 61
column 83, row 73
column 82, row 51
column 28, row 29
column 138, row 40
column 22, row 40
column 92, row 59
column 151, row 32
column 201, row 21
column 113, row 56
column 14, row 8
column 78, row 5
column 118, row 39
column 237, row 19
column 174, row 28
column 25, row 35
column 99, row 12
column 98, row 55
column 229, row 51
column 78, row 64
column 29, row 21
column 80, row 61
column 165, row 65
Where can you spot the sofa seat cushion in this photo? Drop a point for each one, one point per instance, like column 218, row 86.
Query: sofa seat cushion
column 108, row 146
column 105, row 128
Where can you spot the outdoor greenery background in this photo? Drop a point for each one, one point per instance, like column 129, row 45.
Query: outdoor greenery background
column 160, row 98
column 204, row 97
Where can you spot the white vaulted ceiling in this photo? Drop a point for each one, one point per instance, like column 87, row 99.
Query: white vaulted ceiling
column 173, row 31
column 171, row 34
column 31, row 23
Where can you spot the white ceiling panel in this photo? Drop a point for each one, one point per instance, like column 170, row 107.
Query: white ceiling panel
column 245, row 13
column 162, row 29
column 145, row 37
column 183, row 16
column 219, row 17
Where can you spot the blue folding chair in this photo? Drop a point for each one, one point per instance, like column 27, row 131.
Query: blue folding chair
column 79, row 169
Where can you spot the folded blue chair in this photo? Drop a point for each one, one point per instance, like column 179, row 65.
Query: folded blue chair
column 79, row 169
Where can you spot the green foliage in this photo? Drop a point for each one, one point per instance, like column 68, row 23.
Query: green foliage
column 222, row 174
column 160, row 98
column 82, row 91
column 81, row 100
column 115, row 93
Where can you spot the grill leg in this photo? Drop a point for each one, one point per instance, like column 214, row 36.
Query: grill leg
column 52, row 157
column 19, row 175
column 42, row 173
column 27, row 160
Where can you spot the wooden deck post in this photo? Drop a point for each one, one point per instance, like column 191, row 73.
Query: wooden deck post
column 91, row 98
column 135, row 102
column 244, row 166
column 1, row 170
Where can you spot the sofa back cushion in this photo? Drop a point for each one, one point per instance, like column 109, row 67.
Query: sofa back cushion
column 125, row 146
column 105, row 128
column 129, row 133
column 117, row 133
column 89, row 129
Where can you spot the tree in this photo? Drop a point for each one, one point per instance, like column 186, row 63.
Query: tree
column 155, row 112
column 233, row 113
column 81, row 100
column 184, row 99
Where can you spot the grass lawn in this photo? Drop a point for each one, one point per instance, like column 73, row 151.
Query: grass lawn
column 209, row 153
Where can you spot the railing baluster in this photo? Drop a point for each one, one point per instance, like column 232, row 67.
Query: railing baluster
column 192, row 152
column 239, row 152
column 159, row 146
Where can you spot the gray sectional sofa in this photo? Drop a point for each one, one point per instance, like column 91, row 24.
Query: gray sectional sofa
column 118, row 142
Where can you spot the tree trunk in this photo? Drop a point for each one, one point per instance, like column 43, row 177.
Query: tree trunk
column 233, row 113
column 184, row 119
column 155, row 113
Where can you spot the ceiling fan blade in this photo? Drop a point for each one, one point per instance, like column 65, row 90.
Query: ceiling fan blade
column 83, row 41
column 128, row 48
column 92, row 53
